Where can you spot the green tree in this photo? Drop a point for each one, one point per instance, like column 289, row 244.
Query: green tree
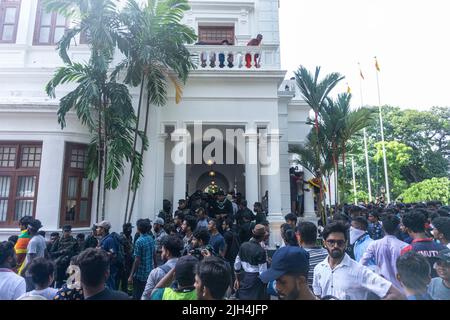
column 398, row 156
column 156, row 56
column 315, row 92
column 103, row 105
column 428, row 190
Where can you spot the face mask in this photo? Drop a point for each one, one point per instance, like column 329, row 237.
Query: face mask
column 355, row 234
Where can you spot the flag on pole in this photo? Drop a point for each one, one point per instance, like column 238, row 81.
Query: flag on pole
column 349, row 90
column 377, row 66
column 360, row 71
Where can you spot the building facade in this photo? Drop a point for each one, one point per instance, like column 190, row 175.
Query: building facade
column 235, row 89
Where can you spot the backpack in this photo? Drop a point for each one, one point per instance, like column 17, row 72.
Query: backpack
column 120, row 257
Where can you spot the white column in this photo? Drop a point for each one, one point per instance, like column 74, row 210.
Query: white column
column 159, row 190
column 251, row 167
column 310, row 214
column 179, row 157
column 275, row 217
column 50, row 182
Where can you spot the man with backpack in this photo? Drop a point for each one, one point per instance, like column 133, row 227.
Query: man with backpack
column 171, row 250
column 110, row 243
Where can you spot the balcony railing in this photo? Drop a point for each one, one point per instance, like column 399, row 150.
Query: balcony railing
column 218, row 57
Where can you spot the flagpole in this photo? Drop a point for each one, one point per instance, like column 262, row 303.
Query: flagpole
column 369, row 187
column 386, row 177
column 354, row 180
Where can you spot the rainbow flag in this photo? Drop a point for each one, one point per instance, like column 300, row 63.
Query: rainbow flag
column 21, row 249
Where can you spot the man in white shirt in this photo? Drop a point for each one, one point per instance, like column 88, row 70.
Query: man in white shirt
column 12, row 286
column 340, row 276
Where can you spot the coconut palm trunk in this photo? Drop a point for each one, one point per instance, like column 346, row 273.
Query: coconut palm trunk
column 141, row 93
column 147, row 114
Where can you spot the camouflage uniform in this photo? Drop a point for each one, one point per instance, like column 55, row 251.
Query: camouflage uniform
column 61, row 252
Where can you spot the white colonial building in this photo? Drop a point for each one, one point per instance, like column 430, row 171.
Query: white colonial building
column 42, row 167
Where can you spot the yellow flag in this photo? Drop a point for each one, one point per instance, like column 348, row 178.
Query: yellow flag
column 349, row 90
column 377, row 66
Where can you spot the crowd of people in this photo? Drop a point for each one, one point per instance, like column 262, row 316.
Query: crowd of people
column 215, row 247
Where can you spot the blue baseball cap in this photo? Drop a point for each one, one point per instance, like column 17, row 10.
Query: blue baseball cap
column 288, row 259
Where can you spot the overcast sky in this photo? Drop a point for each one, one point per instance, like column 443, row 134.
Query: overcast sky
column 411, row 39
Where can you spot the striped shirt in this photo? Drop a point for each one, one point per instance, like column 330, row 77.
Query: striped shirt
column 316, row 255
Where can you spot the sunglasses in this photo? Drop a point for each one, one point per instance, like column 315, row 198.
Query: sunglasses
column 331, row 243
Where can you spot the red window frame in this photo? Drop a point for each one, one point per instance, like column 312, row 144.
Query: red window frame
column 79, row 173
column 5, row 4
column 53, row 25
column 15, row 173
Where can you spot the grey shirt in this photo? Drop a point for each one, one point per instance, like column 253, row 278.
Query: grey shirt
column 155, row 276
column 437, row 289
column 36, row 246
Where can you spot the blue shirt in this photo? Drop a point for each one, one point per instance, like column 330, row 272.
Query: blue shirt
column 375, row 230
column 217, row 242
column 144, row 248
column 361, row 246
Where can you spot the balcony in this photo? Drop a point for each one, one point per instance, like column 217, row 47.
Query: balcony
column 243, row 58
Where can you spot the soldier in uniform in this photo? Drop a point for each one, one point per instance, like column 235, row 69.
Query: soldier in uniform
column 61, row 252
column 166, row 213
column 127, row 241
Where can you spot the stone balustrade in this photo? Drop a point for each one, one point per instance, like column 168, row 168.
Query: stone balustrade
column 217, row 57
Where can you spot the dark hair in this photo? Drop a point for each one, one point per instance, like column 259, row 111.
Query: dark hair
column 415, row 221
column 244, row 202
column 288, row 234
column 6, row 251
column 362, row 222
column 340, row 217
column 93, row 264
column 202, row 234
column 179, row 215
column 334, row 227
column 185, row 270
column 34, row 225
column 200, row 209
column 173, row 244
column 307, row 231
column 390, row 224
column 41, row 269
column 143, row 226
column 191, row 222
column 215, row 275
column 81, row 236
column 291, row 216
column 442, row 224
column 443, row 213
column 42, row 233
column 54, row 234
column 13, row 239
column 213, row 221
column 228, row 222
column 374, row 214
column 414, row 270
column 25, row 220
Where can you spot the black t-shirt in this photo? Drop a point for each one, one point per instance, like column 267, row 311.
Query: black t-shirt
column 109, row 294
column 232, row 241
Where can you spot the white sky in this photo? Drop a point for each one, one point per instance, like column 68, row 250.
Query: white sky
column 411, row 39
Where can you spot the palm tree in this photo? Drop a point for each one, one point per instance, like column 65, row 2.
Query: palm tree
column 315, row 92
column 103, row 105
column 340, row 124
column 157, row 55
